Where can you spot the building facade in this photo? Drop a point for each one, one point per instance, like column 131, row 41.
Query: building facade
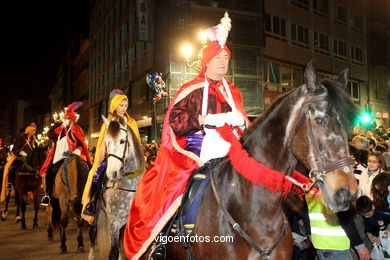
column 130, row 39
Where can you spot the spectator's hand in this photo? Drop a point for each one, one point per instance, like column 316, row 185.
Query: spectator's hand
column 235, row 119
column 373, row 239
column 23, row 153
column 77, row 152
column 364, row 254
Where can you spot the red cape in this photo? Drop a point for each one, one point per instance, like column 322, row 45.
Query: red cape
column 77, row 133
column 159, row 192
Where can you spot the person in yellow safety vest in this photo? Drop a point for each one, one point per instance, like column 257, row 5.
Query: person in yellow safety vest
column 332, row 233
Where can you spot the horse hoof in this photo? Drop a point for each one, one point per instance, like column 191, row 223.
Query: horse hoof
column 4, row 215
column 35, row 226
column 24, row 227
column 18, row 219
column 63, row 251
column 80, row 249
column 50, row 238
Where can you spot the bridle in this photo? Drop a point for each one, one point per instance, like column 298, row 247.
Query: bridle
column 121, row 159
column 317, row 174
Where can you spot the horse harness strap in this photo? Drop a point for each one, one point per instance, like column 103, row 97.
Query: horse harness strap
column 264, row 253
column 329, row 167
column 115, row 187
column 124, row 151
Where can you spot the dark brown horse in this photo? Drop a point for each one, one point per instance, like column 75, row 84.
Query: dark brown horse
column 27, row 179
column 66, row 198
column 309, row 125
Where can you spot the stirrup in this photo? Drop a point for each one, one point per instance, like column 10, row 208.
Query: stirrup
column 43, row 203
column 90, row 209
column 158, row 252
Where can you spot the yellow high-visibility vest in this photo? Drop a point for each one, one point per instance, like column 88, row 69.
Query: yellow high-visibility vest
column 326, row 232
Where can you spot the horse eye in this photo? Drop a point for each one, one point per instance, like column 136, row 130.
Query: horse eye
column 122, row 141
column 321, row 121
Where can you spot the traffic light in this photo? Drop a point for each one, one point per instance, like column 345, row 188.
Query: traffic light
column 365, row 117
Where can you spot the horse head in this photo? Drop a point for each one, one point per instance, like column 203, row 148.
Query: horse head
column 124, row 151
column 319, row 139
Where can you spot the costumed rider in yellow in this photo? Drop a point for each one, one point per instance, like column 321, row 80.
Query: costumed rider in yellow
column 118, row 107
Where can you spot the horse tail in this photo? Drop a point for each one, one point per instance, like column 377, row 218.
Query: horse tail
column 56, row 213
column 103, row 235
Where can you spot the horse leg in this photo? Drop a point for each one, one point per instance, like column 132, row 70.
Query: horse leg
column 92, row 239
column 114, row 237
column 36, row 208
column 17, row 200
column 23, row 208
column 4, row 214
column 63, row 225
column 49, row 214
column 80, row 246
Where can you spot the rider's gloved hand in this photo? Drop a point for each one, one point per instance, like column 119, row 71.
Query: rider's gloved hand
column 65, row 123
column 23, row 153
column 235, row 119
column 77, row 152
column 217, row 120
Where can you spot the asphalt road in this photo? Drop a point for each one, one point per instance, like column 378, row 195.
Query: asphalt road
column 16, row 243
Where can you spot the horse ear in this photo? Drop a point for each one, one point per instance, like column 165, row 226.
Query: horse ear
column 106, row 121
column 343, row 78
column 310, row 77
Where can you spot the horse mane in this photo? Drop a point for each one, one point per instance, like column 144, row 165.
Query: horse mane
column 138, row 148
column 114, row 128
column 341, row 102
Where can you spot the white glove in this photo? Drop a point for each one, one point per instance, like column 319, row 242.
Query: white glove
column 77, row 152
column 217, row 120
column 65, row 123
column 235, row 119
column 23, row 153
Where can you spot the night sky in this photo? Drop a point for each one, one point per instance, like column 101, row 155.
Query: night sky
column 35, row 35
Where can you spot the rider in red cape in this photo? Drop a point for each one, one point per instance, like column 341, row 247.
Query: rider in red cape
column 160, row 190
column 75, row 143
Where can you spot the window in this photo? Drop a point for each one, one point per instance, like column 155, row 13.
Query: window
column 300, row 36
column 340, row 49
column 376, row 89
column 321, row 43
column 357, row 22
column 321, row 7
column 301, row 3
column 245, row 62
column 276, row 27
column 340, row 14
column 282, row 77
column 353, row 90
column 356, row 55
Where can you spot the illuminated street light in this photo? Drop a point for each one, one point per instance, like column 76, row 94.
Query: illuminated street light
column 187, row 51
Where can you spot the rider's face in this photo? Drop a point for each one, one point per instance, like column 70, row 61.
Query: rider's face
column 218, row 66
column 122, row 108
column 32, row 131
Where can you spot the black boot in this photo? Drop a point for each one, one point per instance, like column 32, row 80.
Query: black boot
column 90, row 208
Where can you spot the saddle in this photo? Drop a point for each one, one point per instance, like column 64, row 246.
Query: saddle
column 183, row 222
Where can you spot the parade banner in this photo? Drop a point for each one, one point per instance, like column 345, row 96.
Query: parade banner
column 143, row 19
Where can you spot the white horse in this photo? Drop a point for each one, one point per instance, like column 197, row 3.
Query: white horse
column 125, row 164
